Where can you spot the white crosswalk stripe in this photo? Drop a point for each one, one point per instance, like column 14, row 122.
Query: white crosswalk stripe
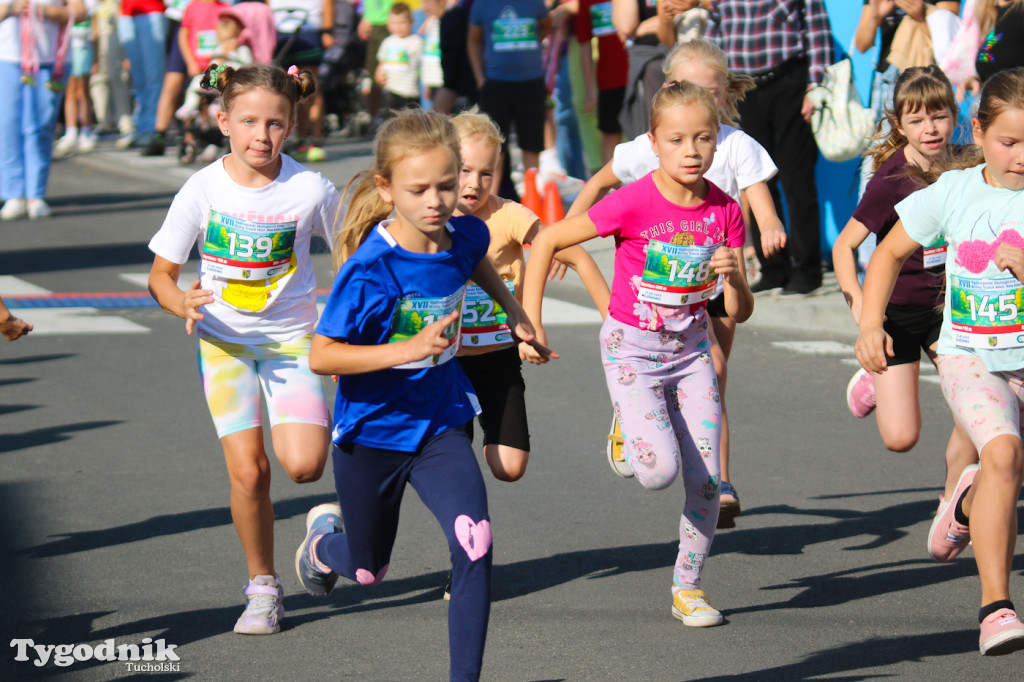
column 76, row 320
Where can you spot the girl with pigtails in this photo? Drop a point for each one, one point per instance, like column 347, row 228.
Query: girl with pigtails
column 252, row 214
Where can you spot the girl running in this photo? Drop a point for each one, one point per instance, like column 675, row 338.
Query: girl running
column 488, row 355
column 922, row 119
column 977, row 211
column 675, row 235
column 252, row 214
column 390, row 330
column 740, row 165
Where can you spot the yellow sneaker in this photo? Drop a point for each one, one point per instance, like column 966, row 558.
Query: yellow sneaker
column 691, row 607
column 616, row 458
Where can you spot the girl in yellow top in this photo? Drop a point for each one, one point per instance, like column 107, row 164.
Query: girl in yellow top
column 489, row 356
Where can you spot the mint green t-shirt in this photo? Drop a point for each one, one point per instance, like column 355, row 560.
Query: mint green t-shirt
column 376, row 11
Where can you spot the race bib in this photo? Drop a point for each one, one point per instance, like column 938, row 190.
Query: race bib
column 512, row 34
column 935, row 254
column 484, row 323
column 676, row 274
column 986, row 313
column 601, row 19
column 413, row 314
column 236, row 248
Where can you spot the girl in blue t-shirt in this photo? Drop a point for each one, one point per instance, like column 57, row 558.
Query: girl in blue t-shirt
column 977, row 210
column 390, row 331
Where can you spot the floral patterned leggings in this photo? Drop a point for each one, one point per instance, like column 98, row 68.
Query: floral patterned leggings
column 665, row 396
column 988, row 404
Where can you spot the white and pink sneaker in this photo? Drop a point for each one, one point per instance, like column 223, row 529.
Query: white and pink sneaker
column 947, row 537
column 1001, row 633
column 860, row 394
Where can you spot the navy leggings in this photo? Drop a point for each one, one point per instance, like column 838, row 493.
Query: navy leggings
column 445, row 474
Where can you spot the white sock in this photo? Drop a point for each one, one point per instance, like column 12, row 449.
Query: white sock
column 71, row 132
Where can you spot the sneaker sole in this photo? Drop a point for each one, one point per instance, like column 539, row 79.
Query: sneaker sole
column 619, row 466
column 849, row 390
column 938, row 516
column 697, row 621
column 311, row 516
column 1002, row 644
column 258, row 630
column 727, row 514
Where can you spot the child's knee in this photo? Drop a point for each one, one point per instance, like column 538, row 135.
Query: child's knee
column 1003, row 458
column 251, row 478
column 369, row 578
column 305, row 471
column 900, row 442
column 470, row 539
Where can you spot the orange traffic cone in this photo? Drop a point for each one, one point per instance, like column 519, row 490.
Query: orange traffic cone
column 531, row 197
column 553, row 209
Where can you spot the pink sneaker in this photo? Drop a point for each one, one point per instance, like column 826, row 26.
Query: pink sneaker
column 947, row 537
column 860, row 393
column 1001, row 633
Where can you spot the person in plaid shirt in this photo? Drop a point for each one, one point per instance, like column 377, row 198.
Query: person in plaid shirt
column 785, row 45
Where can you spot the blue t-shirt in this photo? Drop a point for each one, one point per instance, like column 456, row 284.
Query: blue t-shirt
column 984, row 311
column 512, row 49
column 382, row 293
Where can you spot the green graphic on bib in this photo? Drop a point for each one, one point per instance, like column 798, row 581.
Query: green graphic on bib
column 601, row 19
column 206, row 43
column 935, row 254
column 413, row 314
column 986, row 313
column 676, row 274
column 484, row 323
column 512, row 34
column 396, row 58
column 236, row 248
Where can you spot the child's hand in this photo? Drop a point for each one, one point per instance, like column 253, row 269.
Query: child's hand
column 873, row 347
column 532, row 342
column 772, row 241
column 558, row 270
column 431, row 340
column 725, row 263
column 1010, row 258
column 194, row 298
column 14, row 328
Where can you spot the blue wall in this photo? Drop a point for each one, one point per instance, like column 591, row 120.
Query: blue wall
column 838, row 182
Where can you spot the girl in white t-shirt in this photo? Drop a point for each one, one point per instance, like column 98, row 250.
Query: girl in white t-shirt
column 253, row 214
column 977, row 211
column 740, row 165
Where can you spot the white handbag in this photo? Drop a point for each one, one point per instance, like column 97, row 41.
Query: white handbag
column 842, row 126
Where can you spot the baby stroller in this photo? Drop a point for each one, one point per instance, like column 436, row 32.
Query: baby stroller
column 342, row 73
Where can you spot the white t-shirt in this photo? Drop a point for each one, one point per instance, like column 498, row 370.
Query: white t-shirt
column 400, row 58
column 430, row 67
column 739, row 161
column 974, row 218
column 293, row 15
column 46, row 39
column 278, row 308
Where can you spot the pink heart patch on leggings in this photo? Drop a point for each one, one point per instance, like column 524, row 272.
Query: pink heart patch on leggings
column 475, row 538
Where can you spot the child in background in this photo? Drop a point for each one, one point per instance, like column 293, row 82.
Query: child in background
column 253, row 214
column 78, row 114
column 595, row 21
column 977, row 211
column 675, row 234
column 399, row 58
column 390, row 331
column 921, row 123
column 740, row 165
column 488, row 355
column 430, row 65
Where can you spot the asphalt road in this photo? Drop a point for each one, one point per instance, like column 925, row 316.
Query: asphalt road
column 115, row 525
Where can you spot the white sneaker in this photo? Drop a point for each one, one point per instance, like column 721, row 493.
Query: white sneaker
column 65, row 147
column 125, row 140
column 37, row 208
column 210, row 154
column 13, row 209
column 86, row 143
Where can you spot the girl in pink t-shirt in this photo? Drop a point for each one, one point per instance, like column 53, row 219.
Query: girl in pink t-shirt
column 675, row 235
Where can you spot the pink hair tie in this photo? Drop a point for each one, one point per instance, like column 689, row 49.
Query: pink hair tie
column 293, row 71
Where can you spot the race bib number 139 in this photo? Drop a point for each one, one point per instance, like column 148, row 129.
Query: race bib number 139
column 236, row 248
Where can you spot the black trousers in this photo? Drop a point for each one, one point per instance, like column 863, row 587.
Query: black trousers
column 771, row 115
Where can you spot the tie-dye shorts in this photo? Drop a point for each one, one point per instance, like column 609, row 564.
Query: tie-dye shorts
column 232, row 374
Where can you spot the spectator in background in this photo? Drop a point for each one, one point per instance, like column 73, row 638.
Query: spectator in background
column 785, row 45
column 373, row 29
column 77, row 102
column 303, row 33
column 504, row 49
column 30, row 100
column 431, row 72
column 142, row 28
column 398, row 61
column 1001, row 23
column 610, row 76
column 647, row 26
column 459, row 81
column 108, row 85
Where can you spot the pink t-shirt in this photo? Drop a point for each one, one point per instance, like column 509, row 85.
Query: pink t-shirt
column 201, row 21
column 638, row 214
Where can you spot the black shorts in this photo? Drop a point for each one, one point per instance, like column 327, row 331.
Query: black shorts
column 519, row 103
column 497, row 378
column 716, row 306
column 609, row 106
column 396, row 102
column 913, row 328
column 305, row 48
column 175, row 62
